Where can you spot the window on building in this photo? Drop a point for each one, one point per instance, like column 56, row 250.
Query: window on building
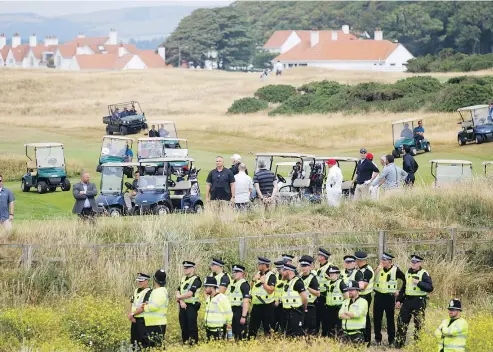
column 392, row 64
column 303, row 65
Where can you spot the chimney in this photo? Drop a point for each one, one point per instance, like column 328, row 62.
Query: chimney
column 16, row 40
column 81, row 35
column 162, row 52
column 314, row 38
column 79, row 50
column 113, row 37
column 32, row 40
column 334, row 35
column 51, row 40
column 121, row 50
column 3, row 40
column 345, row 29
column 378, row 34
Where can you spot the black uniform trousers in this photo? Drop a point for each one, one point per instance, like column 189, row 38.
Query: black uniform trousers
column 188, row 323
column 367, row 332
column 310, row 321
column 413, row 306
column 384, row 303
column 354, row 338
column 280, row 321
column 334, row 323
column 239, row 330
column 156, row 335
column 261, row 314
column 138, row 334
column 294, row 318
column 321, row 313
column 216, row 333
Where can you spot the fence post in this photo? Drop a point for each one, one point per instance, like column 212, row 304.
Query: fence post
column 382, row 243
column 27, row 256
column 95, row 254
column 315, row 243
column 242, row 244
column 166, row 255
column 452, row 243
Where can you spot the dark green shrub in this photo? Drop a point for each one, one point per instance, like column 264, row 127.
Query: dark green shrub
column 418, row 85
column 297, row 104
column 375, row 91
column 454, row 96
column 247, row 105
column 420, row 64
column 480, row 80
column 322, row 87
column 275, row 93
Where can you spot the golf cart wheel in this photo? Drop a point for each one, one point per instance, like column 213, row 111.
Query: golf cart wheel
column 24, row 187
column 42, row 187
column 66, row 185
column 395, row 153
column 479, row 139
column 199, row 208
column 123, row 131
column 462, row 141
column 115, row 212
column 161, row 209
column 428, row 148
column 108, row 131
column 413, row 151
column 52, row 189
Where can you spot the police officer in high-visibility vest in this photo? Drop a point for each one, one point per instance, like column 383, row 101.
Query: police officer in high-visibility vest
column 365, row 277
column 218, row 314
column 263, row 310
column 385, row 287
column 187, row 297
column 313, row 290
column 288, row 258
column 294, row 301
column 278, row 292
column 138, row 332
column 452, row 332
column 217, row 271
column 412, row 300
column 353, row 313
column 349, row 272
column 336, row 293
column 156, row 310
column 323, row 259
column 239, row 297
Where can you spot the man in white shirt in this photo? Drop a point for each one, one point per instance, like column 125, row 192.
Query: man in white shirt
column 334, row 183
column 243, row 189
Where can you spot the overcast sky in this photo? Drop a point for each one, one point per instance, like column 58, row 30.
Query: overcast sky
column 57, row 8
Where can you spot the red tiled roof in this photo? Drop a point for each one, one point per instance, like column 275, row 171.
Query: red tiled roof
column 357, row 50
column 67, row 50
column 88, row 41
column 151, row 59
column 38, row 50
column 102, row 61
column 4, row 52
column 278, row 38
column 20, row 52
column 113, row 49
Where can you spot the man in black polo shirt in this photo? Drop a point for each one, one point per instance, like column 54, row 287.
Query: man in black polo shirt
column 366, row 171
column 265, row 183
column 220, row 183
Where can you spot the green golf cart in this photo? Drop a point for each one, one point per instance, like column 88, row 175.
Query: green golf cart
column 403, row 134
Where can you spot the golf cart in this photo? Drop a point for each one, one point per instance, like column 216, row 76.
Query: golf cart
column 477, row 124
column 125, row 118
column 485, row 164
column 115, row 149
column 166, row 129
column 403, row 134
column 46, row 168
column 348, row 167
column 449, row 171
column 157, row 147
column 111, row 196
column 168, row 185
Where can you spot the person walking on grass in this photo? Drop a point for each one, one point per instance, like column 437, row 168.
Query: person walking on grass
column 243, row 188
column 84, row 193
column 6, row 207
column 220, row 183
column 453, row 332
column 409, row 165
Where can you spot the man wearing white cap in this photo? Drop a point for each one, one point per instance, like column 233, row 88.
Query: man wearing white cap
column 236, row 160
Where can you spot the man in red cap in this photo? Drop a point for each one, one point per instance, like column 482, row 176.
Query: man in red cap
column 366, row 171
column 334, row 183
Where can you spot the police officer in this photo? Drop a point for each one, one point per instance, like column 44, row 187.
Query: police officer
column 263, row 310
column 138, row 332
column 452, row 332
column 365, row 276
column 353, row 313
column 412, row 300
column 385, row 287
column 288, row 258
column 323, row 259
column 336, row 291
column 187, row 297
column 278, row 292
column 239, row 297
column 155, row 311
column 217, row 271
column 218, row 314
column 294, row 301
column 313, row 291
column 349, row 272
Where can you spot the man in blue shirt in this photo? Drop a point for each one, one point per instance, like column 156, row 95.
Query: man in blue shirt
column 6, row 207
column 419, row 133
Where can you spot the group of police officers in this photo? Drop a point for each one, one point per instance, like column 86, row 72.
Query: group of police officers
column 327, row 301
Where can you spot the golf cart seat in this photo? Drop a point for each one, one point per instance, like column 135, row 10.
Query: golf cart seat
column 346, row 185
column 33, row 168
column 180, row 186
column 468, row 124
column 301, row 183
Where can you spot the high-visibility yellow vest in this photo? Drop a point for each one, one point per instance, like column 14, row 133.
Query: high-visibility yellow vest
column 360, row 309
column 322, row 278
column 156, row 309
column 386, row 282
column 220, row 276
column 217, row 311
column 185, row 284
column 138, row 299
column 259, row 294
column 335, row 296
column 413, row 289
column 307, row 281
column 291, row 298
column 234, row 294
column 346, row 277
column 369, row 288
column 452, row 338
column 279, row 291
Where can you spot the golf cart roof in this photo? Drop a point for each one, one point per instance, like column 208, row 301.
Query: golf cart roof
column 119, row 164
column 447, row 161
column 287, row 155
column 118, row 137
column 162, row 139
column 407, row 120
column 487, row 163
column 165, row 160
column 286, row 163
column 337, row 158
column 43, row 145
column 473, row 107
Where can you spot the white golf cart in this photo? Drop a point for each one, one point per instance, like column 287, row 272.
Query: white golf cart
column 115, row 149
column 157, row 147
column 450, row 171
column 165, row 128
column 477, row 124
column 348, row 167
column 485, row 165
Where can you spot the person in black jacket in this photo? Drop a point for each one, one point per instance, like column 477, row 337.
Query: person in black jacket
column 409, row 165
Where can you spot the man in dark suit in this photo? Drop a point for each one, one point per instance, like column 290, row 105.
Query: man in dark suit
column 84, row 193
